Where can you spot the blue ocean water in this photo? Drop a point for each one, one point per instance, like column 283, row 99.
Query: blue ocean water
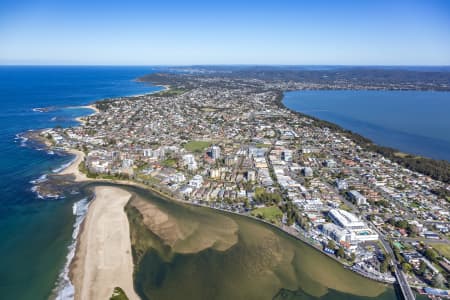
column 415, row 122
column 35, row 233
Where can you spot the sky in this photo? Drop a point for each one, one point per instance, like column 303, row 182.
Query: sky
column 170, row 32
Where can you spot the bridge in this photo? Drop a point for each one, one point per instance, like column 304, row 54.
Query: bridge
column 406, row 290
column 404, row 286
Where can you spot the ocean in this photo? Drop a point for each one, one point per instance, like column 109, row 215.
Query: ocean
column 36, row 233
column 415, row 122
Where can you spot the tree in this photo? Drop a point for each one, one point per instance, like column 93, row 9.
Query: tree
column 403, row 224
column 422, row 267
column 384, row 266
column 412, row 230
column 431, row 254
column 406, row 267
column 438, row 280
column 331, row 244
column 341, row 252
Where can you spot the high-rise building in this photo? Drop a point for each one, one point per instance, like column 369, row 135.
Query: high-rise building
column 215, row 152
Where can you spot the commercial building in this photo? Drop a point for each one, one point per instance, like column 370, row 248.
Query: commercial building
column 357, row 229
column 215, row 152
column 357, row 198
column 307, row 171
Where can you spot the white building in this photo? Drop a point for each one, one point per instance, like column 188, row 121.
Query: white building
column 127, row 163
column 286, row 155
column 358, row 230
column 214, row 173
column 335, row 232
column 251, row 175
column 147, row 152
column 346, row 219
column 341, row 184
column 196, row 181
column 308, row 172
column 189, row 161
column 215, row 152
column 177, row 177
column 356, row 197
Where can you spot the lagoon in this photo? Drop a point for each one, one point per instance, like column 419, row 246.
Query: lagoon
column 415, row 122
column 187, row 252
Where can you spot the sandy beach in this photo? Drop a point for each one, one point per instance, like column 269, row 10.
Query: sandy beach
column 73, row 168
column 93, row 107
column 103, row 258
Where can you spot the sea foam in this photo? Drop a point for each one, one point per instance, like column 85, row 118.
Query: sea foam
column 64, row 166
column 64, row 289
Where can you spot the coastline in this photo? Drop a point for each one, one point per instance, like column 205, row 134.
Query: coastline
column 103, row 254
column 72, row 169
column 90, row 106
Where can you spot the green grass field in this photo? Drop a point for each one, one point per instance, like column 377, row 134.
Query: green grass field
column 197, row 146
column 170, row 92
column 271, row 214
column 170, row 162
column 443, row 249
column 261, row 145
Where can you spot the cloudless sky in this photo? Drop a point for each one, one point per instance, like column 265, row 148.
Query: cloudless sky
column 134, row 32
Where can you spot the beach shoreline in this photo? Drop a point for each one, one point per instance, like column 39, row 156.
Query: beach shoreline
column 73, row 168
column 103, row 258
column 90, row 106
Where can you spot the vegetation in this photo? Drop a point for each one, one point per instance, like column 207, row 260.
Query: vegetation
column 261, row 145
column 170, row 92
column 340, row 252
column 197, row 146
column 432, row 255
column 170, row 163
column 331, row 244
column 263, row 197
column 272, row 214
column 103, row 105
column 443, row 249
column 411, row 229
column 118, row 294
column 406, row 267
column 384, row 266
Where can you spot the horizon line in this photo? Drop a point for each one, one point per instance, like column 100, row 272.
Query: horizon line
column 221, row 65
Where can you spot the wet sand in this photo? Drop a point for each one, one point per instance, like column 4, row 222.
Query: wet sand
column 103, row 258
column 73, row 168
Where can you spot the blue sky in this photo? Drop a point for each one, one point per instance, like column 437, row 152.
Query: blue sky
column 363, row 32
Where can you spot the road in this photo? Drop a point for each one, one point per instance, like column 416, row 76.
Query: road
column 401, row 278
column 403, row 283
column 420, row 239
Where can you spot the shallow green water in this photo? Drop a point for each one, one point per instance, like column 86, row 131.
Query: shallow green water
column 245, row 260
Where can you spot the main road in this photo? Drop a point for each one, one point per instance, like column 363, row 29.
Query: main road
column 406, row 290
